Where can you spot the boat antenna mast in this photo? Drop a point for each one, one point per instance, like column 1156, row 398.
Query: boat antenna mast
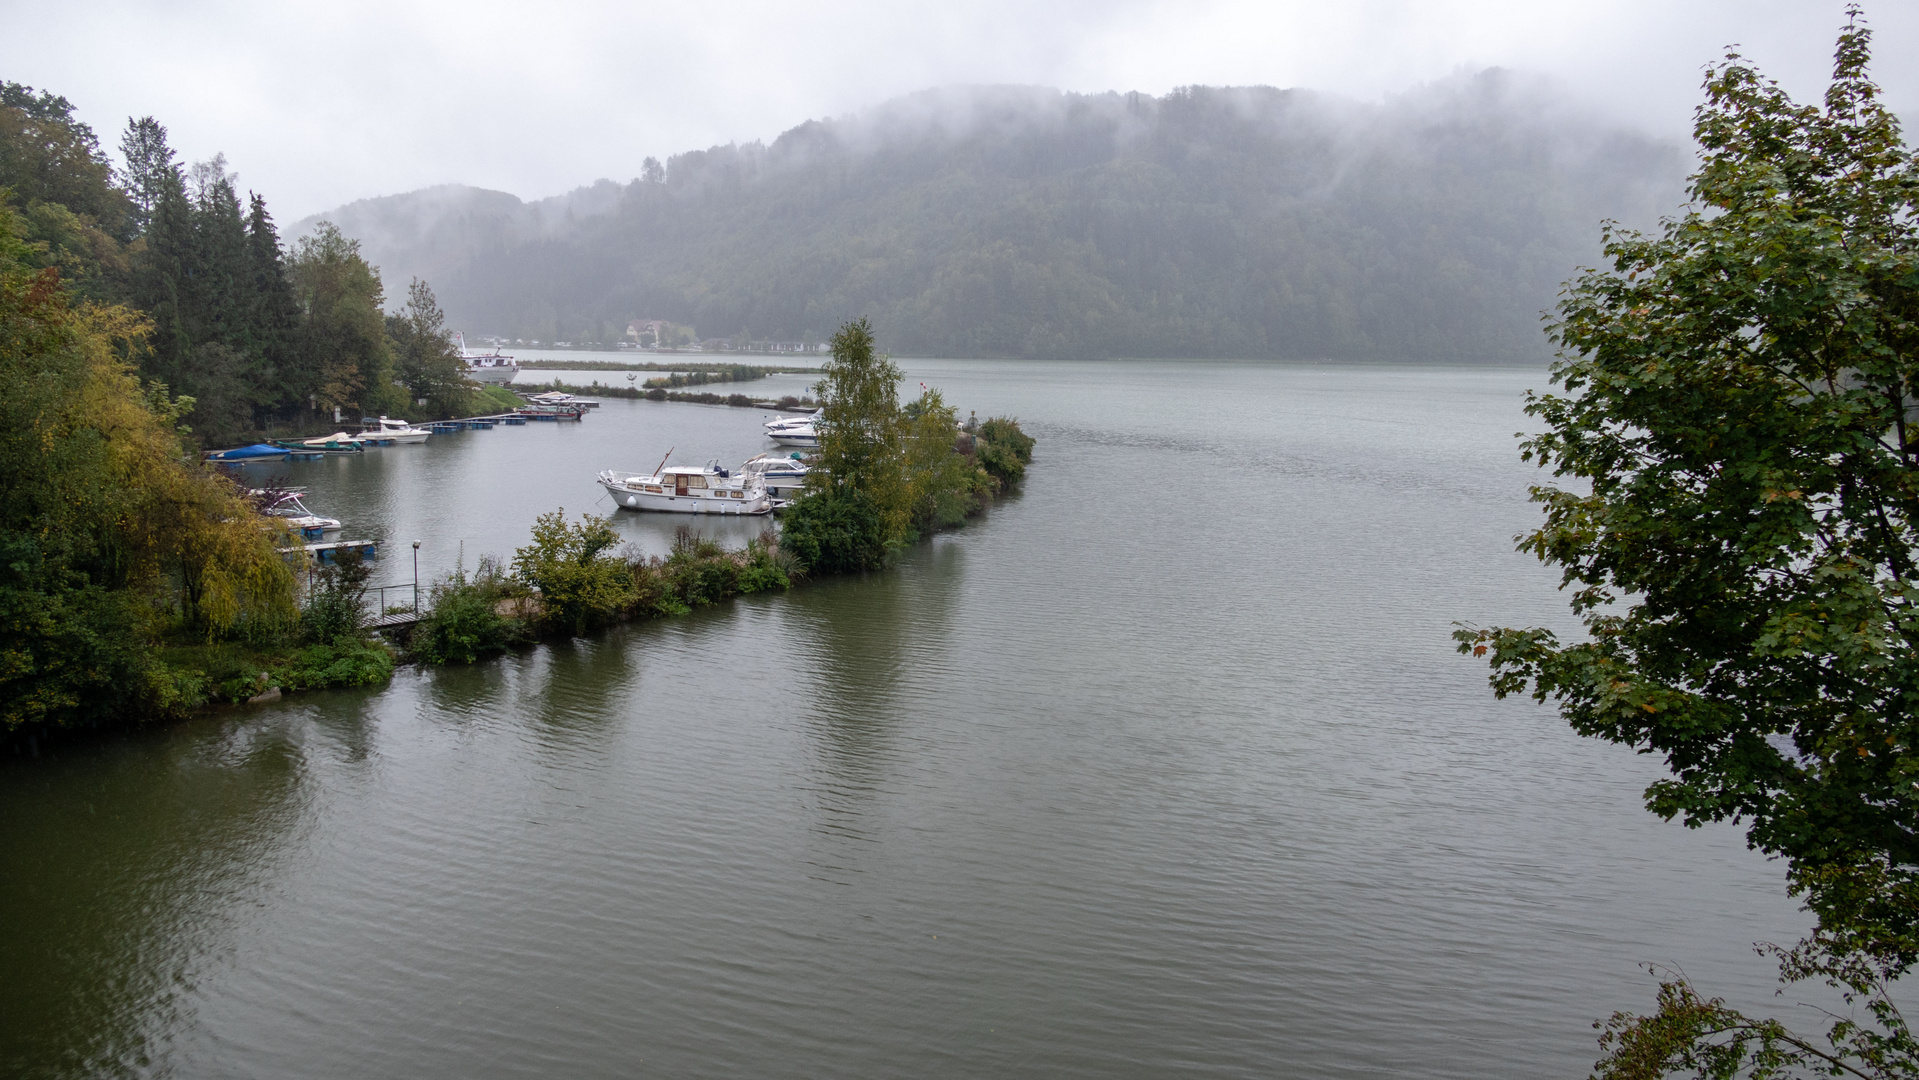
column 662, row 464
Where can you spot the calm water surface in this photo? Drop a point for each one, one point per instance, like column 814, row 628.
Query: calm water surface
column 1164, row 768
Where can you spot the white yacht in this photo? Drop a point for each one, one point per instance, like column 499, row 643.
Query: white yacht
column 486, row 367
column 394, row 431
column 685, row 489
column 801, row 431
column 785, row 476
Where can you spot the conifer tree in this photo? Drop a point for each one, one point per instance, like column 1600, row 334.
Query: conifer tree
column 148, row 164
column 273, row 315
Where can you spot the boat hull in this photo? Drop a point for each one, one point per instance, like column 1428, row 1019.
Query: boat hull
column 806, row 441
column 492, row 374
column 636, row 497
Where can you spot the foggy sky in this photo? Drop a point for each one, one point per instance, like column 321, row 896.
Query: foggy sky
column 319, row 103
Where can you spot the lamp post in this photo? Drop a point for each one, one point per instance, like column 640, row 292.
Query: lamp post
column 416, row 578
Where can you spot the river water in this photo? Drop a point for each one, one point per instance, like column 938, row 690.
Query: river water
column 1165, row 767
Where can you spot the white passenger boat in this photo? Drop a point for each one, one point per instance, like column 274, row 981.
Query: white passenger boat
column 685, row 489
column 785, row 475
column 486, row 367
column 394, row 431
column 801, row 431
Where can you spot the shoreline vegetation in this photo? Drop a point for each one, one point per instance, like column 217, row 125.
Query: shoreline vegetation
column 143, row 585
column 787, row 402
column 690, row 365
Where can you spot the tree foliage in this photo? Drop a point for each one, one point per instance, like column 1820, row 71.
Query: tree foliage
column 425, row 359
column 580, row 582
column 108, row 536
column 1738, row 395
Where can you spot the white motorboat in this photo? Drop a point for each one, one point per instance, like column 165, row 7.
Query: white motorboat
column 394, row 431
column 486, row 367
column 556, row 397
column 785, row 476
column 337, row 439
column 801, row 431
column 290, row 509
column 685, row 489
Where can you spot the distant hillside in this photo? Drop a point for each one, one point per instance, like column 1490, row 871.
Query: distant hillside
column 1014, row 221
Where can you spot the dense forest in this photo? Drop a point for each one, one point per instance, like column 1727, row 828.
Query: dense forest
column 1014, row 221
column 248, row 335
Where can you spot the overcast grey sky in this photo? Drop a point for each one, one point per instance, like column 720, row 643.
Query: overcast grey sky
column 318, row 102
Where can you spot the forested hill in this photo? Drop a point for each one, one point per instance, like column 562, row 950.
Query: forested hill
column 1028, row 222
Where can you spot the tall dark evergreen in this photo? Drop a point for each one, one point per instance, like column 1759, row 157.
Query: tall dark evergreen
column 273, row 315
column 148, row 162
column 162, row 275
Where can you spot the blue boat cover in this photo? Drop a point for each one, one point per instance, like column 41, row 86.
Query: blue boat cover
column 257, row 450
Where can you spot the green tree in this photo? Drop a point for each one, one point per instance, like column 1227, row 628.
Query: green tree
column 1740, row 541
column 424, row 354
column 48, row 156
column 273, row 317
column 580, row 584
column 70, row 215
column 109, row 536
column 940, row 482
column 350, row 365
column 148, row 162
column 857, row 503
column 860, row 425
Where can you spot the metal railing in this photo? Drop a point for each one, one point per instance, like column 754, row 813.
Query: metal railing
column 410, row 590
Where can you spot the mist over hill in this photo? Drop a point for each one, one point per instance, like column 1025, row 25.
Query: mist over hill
column 1018, row 221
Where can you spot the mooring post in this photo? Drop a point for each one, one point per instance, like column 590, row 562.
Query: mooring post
column 416, row 579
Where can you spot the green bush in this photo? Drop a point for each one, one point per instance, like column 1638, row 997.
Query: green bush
column 767, row 566
column 1003, row 450
column 700, row 571
column 348, row 662
column 335, row 608
column 463, row 623
column 579, row 585
column 834, row 532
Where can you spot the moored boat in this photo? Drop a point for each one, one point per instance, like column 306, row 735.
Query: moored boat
column 686, row 489
column 256, row 452
column 785, row 475
column 800, row 431
column 558, row 397
column 309, row 524
column 337, row 443
column 394, row 431
column 490, row 367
